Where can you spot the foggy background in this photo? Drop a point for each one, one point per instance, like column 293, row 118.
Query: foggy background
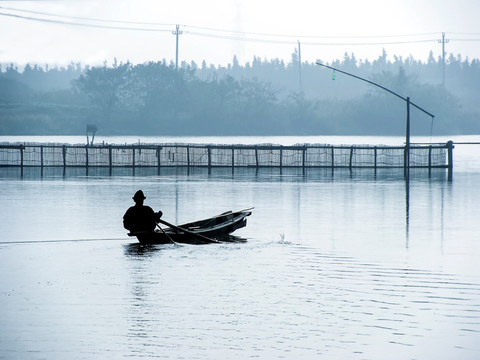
column 237, row 67
column 262, row 97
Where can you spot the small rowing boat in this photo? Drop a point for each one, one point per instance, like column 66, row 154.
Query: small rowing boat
column 212, row 230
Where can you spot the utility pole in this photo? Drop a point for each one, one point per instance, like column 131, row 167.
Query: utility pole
column 300, row 66
column 443, row 41
column 176, row 33
column 407, row 141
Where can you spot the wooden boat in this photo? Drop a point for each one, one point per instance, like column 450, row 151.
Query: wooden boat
column 215, row 229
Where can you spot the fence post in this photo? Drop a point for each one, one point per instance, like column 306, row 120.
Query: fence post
column 450, row 159
column 110, row 159
column 133, row 159
column 86, row 159
column 333, row 157
column 304, row 154
column 21, row 159
column 209, row 152
column 429, row 159
column 233, row 158
column 256, row 156
column 351, row 158
column 375, row 158
column 281, row 156
column 188, row 156
column 64, row 151
column 159, row 149
column 41, row 156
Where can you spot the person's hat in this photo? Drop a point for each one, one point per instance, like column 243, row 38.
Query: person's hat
column 139, row 195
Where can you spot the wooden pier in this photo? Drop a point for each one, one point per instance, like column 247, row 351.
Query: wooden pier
column 209, row 156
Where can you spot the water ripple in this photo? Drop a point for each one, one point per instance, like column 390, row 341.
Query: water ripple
column 275, row 299
column 294, row 299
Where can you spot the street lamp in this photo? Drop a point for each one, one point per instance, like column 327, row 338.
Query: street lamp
column 407, row 100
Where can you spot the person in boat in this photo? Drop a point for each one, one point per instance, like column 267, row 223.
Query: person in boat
column 140, row 217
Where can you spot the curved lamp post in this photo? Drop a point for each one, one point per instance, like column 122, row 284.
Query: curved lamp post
column 407, row 99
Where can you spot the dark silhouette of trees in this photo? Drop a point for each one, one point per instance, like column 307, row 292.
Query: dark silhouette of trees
column 260, row 98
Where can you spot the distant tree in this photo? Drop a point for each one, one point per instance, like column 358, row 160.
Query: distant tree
column 13, row 91
column 260, row 97
column 381, row 63
column 303, row 114
column 235, row 64
column 349, row 62
column 104, row 87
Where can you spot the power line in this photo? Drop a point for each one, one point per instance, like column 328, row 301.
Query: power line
column 81, row 24
column 465, row 33
column 454, row 39
column 228, row 34
column 227, row 37
column 296, row 36
column 85, row 18
column 235, row 35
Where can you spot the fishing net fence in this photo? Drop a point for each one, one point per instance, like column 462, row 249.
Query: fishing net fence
column 209, row 155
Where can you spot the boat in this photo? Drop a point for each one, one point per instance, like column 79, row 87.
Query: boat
column 212, row 230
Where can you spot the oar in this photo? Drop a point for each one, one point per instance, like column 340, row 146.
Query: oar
column 231, row 212
column 198, row 236
column 168, row 236
column 253, row 207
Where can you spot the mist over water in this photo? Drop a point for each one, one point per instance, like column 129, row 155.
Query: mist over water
column 345, row 264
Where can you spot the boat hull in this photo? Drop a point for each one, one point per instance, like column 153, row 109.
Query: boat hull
column 218, row 228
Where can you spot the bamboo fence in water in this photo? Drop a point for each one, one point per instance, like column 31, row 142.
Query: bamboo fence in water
column 211, row 155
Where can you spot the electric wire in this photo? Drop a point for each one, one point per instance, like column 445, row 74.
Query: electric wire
column 296, row 36
column 465, row 39
column 62, row 22
column 464, row 33
column 228, row 34
column 226, row 37
column 85, row 18
column 240, row 33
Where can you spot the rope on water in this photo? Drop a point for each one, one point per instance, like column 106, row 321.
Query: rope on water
column 57, row 241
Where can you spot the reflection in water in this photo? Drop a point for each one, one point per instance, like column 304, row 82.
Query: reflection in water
column 145, row 250
column 239, row 301
column 261, row 174
column 407, row 209
column 137, row 250
column 367, row 267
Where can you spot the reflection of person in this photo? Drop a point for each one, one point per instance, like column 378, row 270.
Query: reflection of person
column 140, row 217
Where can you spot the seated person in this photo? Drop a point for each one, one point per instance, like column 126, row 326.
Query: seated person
column 140, row 217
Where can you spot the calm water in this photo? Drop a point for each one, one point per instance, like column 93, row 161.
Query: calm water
column 351, row 265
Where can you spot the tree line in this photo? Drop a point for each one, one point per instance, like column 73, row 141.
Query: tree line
column 262, row 97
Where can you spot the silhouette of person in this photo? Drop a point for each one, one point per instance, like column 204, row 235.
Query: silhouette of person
column 140, row 217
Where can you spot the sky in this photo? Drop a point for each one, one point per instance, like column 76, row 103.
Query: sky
column 58, row 32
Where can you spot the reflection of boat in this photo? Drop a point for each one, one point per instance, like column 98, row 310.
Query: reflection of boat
column 198, row 232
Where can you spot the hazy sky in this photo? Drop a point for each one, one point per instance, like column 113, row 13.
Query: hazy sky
column 61, row 31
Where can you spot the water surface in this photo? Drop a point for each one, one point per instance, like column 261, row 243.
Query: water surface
column 357, row 265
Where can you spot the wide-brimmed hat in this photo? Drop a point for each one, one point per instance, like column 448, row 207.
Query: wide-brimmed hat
column 139, row 195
